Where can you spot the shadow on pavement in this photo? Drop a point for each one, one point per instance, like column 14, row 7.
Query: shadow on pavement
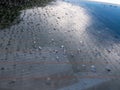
column 10, row 11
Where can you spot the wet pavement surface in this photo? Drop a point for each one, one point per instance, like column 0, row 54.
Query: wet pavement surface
column 60, row 45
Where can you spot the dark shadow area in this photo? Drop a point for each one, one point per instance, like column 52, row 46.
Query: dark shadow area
column 10, row 10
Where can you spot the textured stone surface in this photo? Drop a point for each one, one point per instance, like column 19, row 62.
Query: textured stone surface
column 65, row 45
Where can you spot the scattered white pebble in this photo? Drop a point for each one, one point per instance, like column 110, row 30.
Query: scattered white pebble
column 40, row 48
column 83, row 65
column 57, row 58
column 52, row 40
column 72, row 55
column 81, row 41
column 79, row 50
column 62, row 46
column 48, row 78
column 93, row 68
column 56, row 51
column 34, row 42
